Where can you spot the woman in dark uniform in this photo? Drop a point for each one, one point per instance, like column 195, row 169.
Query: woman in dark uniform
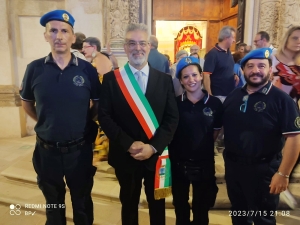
column 192, row 148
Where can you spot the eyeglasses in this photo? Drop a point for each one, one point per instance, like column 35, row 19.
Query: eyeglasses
column 243, row 106
column 134, row 44
column 255, row 41
column 87, row 46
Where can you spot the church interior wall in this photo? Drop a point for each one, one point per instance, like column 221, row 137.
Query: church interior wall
column 22, row 38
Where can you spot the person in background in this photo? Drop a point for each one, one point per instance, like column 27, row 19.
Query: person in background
column 169, row 60
column 192, row 147
column 237, row 56
column 262, row 40
column 56, row 91
column 177, row 86
column 111, row 56
column 247, row 49
column 156, row 59
column 219, row 79
column 91, row 49
column 194, row 49
column 259, row 121
column 241, row 47
column 76, row 48
column 196, row 55
column 286, row 76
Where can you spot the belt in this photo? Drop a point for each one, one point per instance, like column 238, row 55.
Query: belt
column 63, row 147
column 250, row 160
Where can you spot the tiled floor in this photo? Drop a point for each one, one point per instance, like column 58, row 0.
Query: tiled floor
column 107, row 212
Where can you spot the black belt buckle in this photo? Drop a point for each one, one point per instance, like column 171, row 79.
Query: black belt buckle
column 64, row 149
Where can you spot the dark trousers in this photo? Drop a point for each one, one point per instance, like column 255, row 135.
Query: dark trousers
column 204, row 194
column 249, row 192
column 51, row 167
column 130, row 191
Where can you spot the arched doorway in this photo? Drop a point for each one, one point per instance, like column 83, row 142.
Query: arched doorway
column 187, row 37
column 217, row 13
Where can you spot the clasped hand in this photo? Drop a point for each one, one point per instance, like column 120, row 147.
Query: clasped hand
column 140, row 151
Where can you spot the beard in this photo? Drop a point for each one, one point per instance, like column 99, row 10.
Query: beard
column 264, row 79
column 137, row 61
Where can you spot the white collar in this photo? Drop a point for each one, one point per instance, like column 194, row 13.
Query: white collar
column 145, row 69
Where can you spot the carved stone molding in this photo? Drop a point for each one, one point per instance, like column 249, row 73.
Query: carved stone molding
column 269, row 17
column 116, row 16
column 276, row 16
column 9, row 96
column 134, row 6
column 288, row 16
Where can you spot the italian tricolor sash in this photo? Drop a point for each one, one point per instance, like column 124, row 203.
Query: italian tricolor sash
column 146, row 117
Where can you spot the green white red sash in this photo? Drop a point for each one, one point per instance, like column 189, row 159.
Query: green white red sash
column 146, row 117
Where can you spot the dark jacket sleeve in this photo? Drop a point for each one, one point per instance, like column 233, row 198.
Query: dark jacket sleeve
column 168, row 125
column 105, row 112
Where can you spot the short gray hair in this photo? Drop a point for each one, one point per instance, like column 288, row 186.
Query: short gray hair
column 153, row 41
column 94, row 42
column 137, row 26
column 180, row 53
column 225, row 32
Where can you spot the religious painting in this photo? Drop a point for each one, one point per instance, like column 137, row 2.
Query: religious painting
column 187, row 37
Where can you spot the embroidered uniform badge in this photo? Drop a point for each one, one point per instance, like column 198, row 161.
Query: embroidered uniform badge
column 207, row 111
column 259, row 106
column 297, row 122
column 78, row 80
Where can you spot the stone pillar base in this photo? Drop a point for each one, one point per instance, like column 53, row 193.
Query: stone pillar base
column 13, row 122
column 12, row 115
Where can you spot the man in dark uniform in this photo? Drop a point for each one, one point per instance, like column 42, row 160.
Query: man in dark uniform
column 259, row 119
column 56, row 92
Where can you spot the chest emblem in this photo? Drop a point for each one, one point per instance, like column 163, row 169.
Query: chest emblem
column 259, row 106
column 207, row 111
column 78, row 80
column 297, row 122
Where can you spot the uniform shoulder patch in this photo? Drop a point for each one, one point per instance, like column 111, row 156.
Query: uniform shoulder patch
column 297, row 122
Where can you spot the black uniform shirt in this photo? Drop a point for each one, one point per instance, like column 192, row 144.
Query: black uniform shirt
column 254, row 124
column 193, row 138
column 62, row 96
column 220, row 64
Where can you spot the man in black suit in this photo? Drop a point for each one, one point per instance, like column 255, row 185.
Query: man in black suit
column 132, row 153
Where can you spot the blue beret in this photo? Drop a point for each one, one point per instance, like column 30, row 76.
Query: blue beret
column 260, row 53
column 184, row 62
column 60, row 15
